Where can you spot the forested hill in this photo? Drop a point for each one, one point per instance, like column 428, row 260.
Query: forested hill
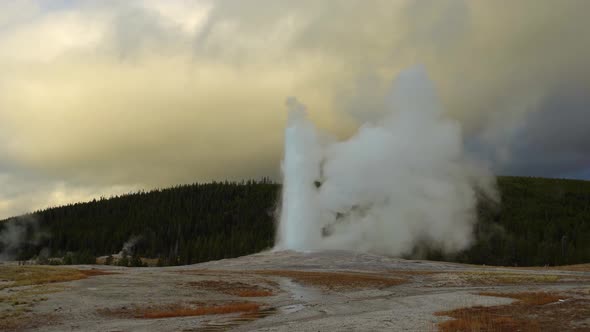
column 539, row 222
column 182, row 225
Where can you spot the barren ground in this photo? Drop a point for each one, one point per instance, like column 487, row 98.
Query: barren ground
column 287, row 291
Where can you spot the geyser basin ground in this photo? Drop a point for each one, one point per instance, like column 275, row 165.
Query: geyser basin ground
column 288, row 291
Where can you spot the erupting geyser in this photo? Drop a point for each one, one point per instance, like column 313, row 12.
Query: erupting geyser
column 299, row 227
column 396, row 184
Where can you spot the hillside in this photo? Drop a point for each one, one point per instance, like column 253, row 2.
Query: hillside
column 538, row 222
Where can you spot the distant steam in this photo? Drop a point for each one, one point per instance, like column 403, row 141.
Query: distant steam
column 130, row 244
column 17, row 233
column 395, row 184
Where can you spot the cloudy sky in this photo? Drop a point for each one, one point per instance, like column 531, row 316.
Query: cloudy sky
column 101, row 97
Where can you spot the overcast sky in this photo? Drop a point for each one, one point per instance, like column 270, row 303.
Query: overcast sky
column 105, row 97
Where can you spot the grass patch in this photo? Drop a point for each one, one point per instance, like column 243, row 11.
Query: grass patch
column 415, row 272
column 30, row 295
column 24, row 320
column 574, row 268
column 483, row 319
column 17, row 301
column 182, row 310
column 484, row 278
column 18, row 276
column 336, row 280
column 533, row 311
column 16, row 308
column 254, row 293
column 201, row 311
column 232, row 288
column 532, row 298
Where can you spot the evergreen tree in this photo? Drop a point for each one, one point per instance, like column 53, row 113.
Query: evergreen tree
column 124, row 260
column 538, row 222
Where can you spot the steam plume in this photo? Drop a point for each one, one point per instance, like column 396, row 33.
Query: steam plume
column 130, row 244
column 17, row 233
column 401, row 181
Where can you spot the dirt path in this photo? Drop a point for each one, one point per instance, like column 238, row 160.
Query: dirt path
column 287, row 291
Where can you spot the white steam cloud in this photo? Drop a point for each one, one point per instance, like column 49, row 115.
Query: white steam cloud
column 130, row 244
column 394, row 185
column 16, row 233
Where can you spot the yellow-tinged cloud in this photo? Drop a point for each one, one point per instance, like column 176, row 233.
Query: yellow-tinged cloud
column 153, row 93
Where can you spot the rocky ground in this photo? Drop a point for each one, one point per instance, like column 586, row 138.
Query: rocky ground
column 288, row 291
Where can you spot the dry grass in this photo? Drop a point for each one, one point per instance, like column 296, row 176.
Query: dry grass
column 336, row 280
column 575, row 268
column 210, row 272
column 534, row 311
column 95, row 272
column 254, row 293
column 483, row 319
column 485, row 278
column 26, row 321
column 16, row 305
column 533, row 298
column 232, row 288
column 182, row 310
column 415, row 272
column 206, row 310
column 17, row 276
column 330, row 280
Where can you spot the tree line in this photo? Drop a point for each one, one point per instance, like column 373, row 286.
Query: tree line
column 538, row 222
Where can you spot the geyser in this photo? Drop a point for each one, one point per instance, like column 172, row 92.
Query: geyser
column 299, row 221
column 396, row 184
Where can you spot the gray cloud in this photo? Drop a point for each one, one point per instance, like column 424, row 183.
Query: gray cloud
column 103, row 96
column 554, row 140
